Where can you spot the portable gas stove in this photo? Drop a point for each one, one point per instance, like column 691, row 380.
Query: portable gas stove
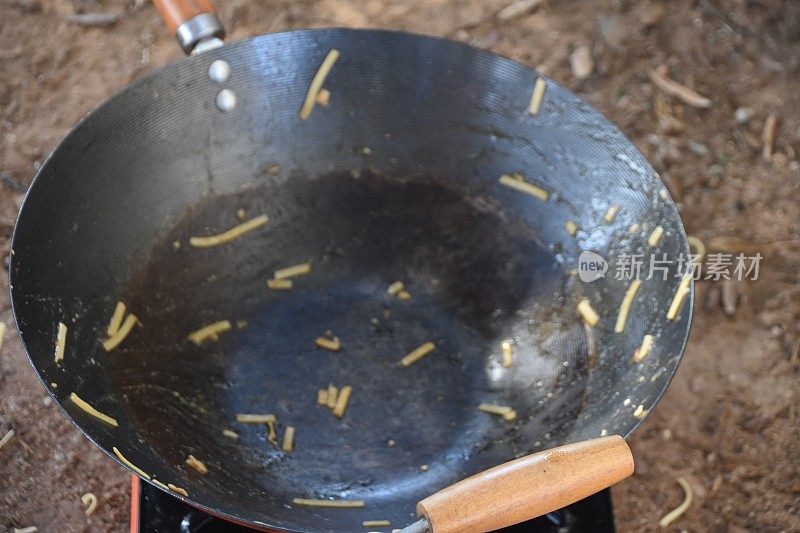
column 154, row 511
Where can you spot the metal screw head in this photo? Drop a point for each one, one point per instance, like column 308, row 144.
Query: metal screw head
column 219, row 71
column 226, row 100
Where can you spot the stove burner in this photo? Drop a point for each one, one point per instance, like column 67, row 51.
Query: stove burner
column 154, row 511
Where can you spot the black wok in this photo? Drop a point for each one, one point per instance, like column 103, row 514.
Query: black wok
column 397, row 179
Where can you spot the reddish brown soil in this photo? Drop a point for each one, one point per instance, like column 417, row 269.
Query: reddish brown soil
column 728, row 423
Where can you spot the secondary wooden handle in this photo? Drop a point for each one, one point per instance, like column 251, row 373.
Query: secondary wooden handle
column 528, row 487
column 176, row 12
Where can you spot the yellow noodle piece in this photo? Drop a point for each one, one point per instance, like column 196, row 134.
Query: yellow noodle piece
column 210, row 331
column 510, row 416
column 333, row 395
column 634, row 228
column 537, row 96
column 322, row 397
column 676, row 513
column 680, row 295
column 342, row 504
column 493, row 409
column 124, row 330
column 655, row 237
column 418, row 354
column 333, row 345
column 2, row 333
column 293, row 271
column 230, row 434
column 116, row 319
column 272, row 435
column 404, row 295
column 625, row 307
column 91, row 410
column 395, row 287
column 699, row 248
column 61, row 341
column 508, row 357
column 255, row 419
column 523, row 186
column 130, row 464
column 376, row 523
column 159, row 484
column 589, row 315
column 179, row 490
column 29, row 529
column 639, row 412
column 611, row 214
column 324, row 97
column 644, row 349
column 571, row 227
column 90, row 501
column 288, row 439
column 341, row 401
column 226, row 236
column 197, row 464
column 316, row 83
column 280, row 284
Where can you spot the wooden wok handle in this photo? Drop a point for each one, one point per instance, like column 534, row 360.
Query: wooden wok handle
column 190, row 20
column 528, row 487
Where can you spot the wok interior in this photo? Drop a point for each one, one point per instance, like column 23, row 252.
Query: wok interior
column 483, row 264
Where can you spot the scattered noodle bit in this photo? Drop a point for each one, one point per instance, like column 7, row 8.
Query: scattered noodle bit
column 417, row 354
column 655, row 237
column 7, row 437
column 699, row 248
column 327, row 344
column 639, row 412
column 255, row 419
column 516, row 182
column 395, row 288
column 324, row 97
column 274, row 170
column 537, row 96
column 768, row 136
column 124, row 330
column 241, row 324
column 634, row 228
column 588, row 314
column 424, row 468
column 229, row 235
column 333, row 396
column 29, row 529
column 90, row 501
column 508, row 358
column 2, row 333
column 272, row 435
column 241, row 214
column 279, row 284
column 197, row 464
column 288, row 439
column 210, row 332
column 625, row 307
column 179, row 490
column 61, row 341
column 644, row 350
column 611, row 214
column 680, row 295
column 404, row 295
column 676, row 513
column 341, row 401
column 230, row 434
column 293, row 271
column 571, row 227
column 157, row 483
column 130, row 464
column 376, row 523
column 508, row 414
column 91, row 410
column 322, row 397
column 316, row 83
column 343, row 504
column 673, row 88
column 116, row 319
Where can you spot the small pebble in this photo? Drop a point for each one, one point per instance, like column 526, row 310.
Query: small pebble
column 226, row 100
column 742, row 115
column 581, row 62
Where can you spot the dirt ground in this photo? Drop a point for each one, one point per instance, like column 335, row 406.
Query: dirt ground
column 728, row 423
